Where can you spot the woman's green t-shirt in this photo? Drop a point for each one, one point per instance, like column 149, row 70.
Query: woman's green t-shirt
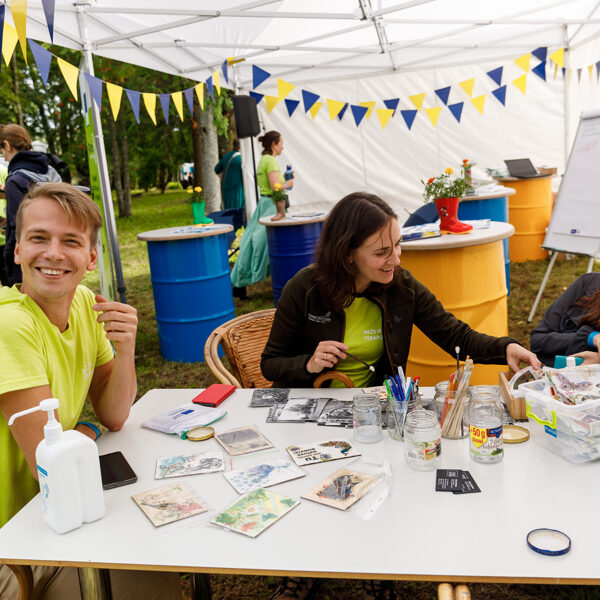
column 267, row 164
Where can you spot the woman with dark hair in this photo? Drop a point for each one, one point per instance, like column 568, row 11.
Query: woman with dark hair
column 357, row 298
column 252, row 264
column 25, row 167
column 571, row 325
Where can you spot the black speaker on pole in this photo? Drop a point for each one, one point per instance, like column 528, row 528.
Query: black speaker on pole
column 246, row 116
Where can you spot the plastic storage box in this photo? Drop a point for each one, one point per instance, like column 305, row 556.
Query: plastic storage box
column 573, row 431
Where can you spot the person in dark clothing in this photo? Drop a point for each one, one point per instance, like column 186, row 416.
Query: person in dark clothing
column 356, row 297
column 25, row 168
column 571, row 325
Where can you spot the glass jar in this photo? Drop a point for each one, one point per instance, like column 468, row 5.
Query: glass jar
column 460, row 428
column 422, row 440
column 485, row 425
column 397, row 412
column 366, row 418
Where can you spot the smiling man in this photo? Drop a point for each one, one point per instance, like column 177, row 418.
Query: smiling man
column 55, row 342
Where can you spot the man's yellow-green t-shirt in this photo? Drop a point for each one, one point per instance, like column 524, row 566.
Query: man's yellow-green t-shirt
column 34, row 352
column 364, row 339
column 267, row 164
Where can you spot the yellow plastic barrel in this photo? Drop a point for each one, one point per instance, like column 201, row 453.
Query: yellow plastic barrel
column 471, row 284
column 529, row 211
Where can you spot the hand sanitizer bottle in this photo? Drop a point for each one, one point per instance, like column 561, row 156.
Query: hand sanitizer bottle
column 69, row 473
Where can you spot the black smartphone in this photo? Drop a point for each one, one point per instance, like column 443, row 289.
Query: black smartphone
column 115, row 471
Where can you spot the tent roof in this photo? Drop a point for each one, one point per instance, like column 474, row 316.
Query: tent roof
column 314, row 40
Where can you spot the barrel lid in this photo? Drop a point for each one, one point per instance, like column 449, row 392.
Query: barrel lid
column 184, row 232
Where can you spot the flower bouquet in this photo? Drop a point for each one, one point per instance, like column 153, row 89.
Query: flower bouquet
column 198, row 203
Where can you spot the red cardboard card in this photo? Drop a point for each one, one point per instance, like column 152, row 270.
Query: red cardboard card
column 214, row 394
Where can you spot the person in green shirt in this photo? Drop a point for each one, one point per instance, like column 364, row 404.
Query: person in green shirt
column 3, row 176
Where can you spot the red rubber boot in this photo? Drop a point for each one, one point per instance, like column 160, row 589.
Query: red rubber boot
column 449, row 223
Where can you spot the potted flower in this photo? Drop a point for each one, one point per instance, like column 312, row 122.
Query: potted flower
column 198, row 202
column 467, row 165
column 445, row 190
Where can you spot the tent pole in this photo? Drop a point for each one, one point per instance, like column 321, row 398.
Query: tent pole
column 109, row 215
column 566, row 103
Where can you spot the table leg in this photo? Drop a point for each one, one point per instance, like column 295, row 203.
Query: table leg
column 94, row 583
column 201, row 586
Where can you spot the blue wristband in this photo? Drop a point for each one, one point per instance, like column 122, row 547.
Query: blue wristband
column 91, row 426
column 591, row 337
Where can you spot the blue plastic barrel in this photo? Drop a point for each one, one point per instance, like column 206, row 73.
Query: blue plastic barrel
column 191, row 286
column 291, row 248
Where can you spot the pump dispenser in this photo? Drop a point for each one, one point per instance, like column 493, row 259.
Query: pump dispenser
column 68, row 472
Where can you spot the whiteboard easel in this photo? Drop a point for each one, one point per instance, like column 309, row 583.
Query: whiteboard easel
column 575, row 224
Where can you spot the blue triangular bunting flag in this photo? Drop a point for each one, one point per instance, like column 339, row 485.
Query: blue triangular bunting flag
column 409, row 117
column 224, row 71
column 309, row 99
column 209, row 87
column 598, row 69
column 165, row 99
column 500, row 95
column 258, row 76
column 540, row 53
column 496, row 75
column 291, row 105
column 564, row 70
column 540, row 70
column 358, row 112
column 42, row 57
column 95, row 88
column 189, row 98
column 391, row 104
column 443, row 94
column 49, row 14
column 257, row 97
column 134, row 100
column 342, row 112
column 456, row 110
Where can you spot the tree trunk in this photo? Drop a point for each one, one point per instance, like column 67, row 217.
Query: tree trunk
column 15, row 73
column 116, row 162
column 126, row 176
column 210, row 157
column 197, row 146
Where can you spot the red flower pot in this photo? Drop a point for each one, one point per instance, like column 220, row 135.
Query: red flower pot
column 447, row 209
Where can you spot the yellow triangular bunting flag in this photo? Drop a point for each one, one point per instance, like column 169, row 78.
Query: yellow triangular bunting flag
column 178, row 102
column 334, row 107
column 523, row 61
column 433, row 114
column 200, row 93
column 315, row 108
column 478, row 103
column 284, row 88
column 370, row 105
column 558, row 57
column 150, row 104
column 555, row 70
column 468, row 85
column 521, row 82
column 590, row 69
column 417, row 100
column 18, row 9
column 271, row 102
column 217, row 82
column 114, row 97
column 9, row 42
column 384, row 114
column 70, row 73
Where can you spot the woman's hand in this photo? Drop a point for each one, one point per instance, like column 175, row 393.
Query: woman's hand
column 589, row 356
column 515, row 354
column 290, row 185
column 326, row 356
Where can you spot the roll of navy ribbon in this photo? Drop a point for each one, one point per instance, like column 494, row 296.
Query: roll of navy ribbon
column 550, row 542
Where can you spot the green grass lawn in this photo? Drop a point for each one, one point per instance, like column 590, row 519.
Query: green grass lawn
column 154, row 211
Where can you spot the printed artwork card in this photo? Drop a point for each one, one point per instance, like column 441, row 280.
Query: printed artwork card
column 274, row 412
column 169, row 503
column 255, row 511
column 309, row 454
column 269, row 396
column 378, row 390
column 243, row 440
column 337, row 413
column 263, row 475
column 341, row 489
column 188, row 464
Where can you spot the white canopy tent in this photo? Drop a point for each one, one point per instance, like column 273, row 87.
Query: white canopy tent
column 365, row 50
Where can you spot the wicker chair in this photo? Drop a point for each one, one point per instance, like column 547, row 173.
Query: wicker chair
column 243, row 339
column 24, row 576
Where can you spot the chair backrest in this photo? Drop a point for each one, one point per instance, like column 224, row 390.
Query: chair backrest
column 243, row 340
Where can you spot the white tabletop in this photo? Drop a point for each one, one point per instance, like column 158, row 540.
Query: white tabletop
column 183, row 232
column 495, row 232
column 300, row 218
column 502, row 192
column 417, row 533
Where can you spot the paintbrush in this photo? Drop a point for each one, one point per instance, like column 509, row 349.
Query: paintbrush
column 362, row 362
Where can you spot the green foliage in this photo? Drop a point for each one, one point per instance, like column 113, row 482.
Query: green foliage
column 445, row 186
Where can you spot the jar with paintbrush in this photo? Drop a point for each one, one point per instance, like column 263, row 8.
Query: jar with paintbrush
column 444, row 396
column 453, row 410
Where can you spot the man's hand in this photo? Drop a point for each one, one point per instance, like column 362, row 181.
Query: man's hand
column 120, row 323
column 589, row 356
column 515, row 354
